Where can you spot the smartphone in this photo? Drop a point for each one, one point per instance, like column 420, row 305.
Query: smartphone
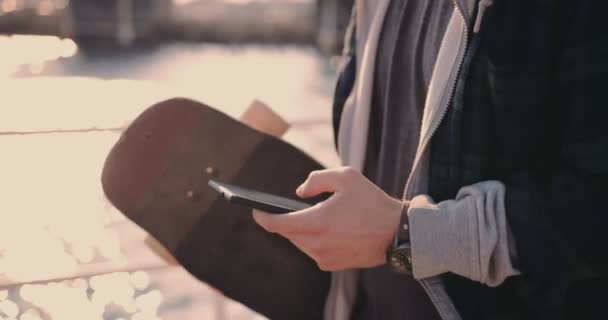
column 256, row 199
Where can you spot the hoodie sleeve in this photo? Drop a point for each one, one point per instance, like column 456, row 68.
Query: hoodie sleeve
column 484, row 252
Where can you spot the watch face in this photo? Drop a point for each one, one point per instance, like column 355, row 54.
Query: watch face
column 400, row 259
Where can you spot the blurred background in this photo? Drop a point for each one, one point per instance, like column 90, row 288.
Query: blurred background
column 73, row 74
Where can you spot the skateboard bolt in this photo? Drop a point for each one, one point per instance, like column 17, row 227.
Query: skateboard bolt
column 191, row 195
column 211, row 171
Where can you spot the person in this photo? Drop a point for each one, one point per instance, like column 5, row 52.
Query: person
column 476, row 152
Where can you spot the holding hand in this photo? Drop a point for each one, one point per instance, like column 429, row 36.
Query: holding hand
column 351, row 229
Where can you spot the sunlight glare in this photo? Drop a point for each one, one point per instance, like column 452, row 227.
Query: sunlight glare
column 9, row 308
column 140, row 280
column 183, row 2
column 9, row 6
column 30, row 314
column 33, row 51
column 45, row 8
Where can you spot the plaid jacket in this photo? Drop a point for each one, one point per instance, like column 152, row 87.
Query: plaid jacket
column 529, row 111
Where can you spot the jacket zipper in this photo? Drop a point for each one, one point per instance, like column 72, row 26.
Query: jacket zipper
column 453, row 81
column 428, row 288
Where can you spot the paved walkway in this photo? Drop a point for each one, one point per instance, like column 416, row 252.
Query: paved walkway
column 65, row 253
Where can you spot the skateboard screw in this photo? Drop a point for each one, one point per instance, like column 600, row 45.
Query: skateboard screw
column 191, row 195
column 211, row 171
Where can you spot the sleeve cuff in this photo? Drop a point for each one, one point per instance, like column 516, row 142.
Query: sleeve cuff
column 467, row 236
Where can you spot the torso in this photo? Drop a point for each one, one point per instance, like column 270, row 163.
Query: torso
column 407, row 51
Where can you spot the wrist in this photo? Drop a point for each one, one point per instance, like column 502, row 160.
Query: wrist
column 399, row 254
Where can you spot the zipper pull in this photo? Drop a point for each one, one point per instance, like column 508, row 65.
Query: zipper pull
column 483, row 5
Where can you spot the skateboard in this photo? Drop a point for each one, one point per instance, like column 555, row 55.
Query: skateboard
column 157, row 174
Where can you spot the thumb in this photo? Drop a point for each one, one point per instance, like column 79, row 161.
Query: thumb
column 319, row 182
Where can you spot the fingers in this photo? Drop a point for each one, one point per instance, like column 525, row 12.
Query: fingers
column 317, row 249
column 330, row 180
column 306, row 239
column 313, row 247
column 303, row 221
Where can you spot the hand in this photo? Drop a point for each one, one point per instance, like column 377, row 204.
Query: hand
column 351, row 229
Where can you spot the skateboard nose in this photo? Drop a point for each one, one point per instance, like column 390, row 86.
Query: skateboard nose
column 128, row 181
column 134, row 168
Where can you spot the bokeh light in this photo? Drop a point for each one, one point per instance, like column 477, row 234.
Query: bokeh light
column 8, row 6
column 34, row 52
column 46, row 7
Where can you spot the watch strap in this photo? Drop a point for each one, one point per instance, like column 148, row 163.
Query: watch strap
column 403, row 235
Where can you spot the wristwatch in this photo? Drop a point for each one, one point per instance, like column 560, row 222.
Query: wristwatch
column 399, row 254
column 399, row 258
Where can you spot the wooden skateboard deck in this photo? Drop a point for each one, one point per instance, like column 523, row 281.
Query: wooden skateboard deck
column 157, row 175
